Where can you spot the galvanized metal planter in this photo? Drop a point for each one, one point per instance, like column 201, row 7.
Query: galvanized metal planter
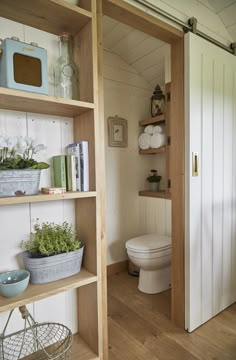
column 50, row 268
column 19, row 182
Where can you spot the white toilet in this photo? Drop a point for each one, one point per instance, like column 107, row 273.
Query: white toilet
column 152, row 254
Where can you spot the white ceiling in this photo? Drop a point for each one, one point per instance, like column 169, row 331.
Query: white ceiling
column 226, row 10
column 144, row 53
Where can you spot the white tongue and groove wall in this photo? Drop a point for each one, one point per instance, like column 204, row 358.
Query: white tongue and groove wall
column 133, row 64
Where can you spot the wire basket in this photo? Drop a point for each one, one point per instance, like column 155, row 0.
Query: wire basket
column 37, row 341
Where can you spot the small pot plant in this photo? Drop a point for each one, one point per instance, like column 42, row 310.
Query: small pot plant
column 154, row 180
column 19, row 171
column 52, row 252
column 16, row 153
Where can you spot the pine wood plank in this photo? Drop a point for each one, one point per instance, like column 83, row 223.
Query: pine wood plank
column 177, row 174
column 153, row 151
column 141, row 321
column 45, row 197
column 159, row 194
column 35, row 292
column 54, row 16
column 41, row 104
column 160, row 119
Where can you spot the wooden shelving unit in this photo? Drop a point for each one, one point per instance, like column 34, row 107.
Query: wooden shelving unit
column 153, row 151
column 36, row 292
column 53, row 16
column 44, row 197
column 159, row 120
column 159, row 194
column 57, row 16
column 42, row 104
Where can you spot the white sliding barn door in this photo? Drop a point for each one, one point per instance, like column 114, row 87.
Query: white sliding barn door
column 210, row 197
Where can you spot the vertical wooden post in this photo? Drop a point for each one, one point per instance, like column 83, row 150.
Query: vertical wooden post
column 177, row 180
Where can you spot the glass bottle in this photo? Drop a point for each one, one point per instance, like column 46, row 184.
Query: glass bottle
column 66, row 72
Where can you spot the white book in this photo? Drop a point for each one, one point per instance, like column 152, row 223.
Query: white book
column 84, row 165
column 80, row 150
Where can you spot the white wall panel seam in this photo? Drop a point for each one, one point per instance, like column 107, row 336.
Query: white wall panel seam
column 213, row 172
column 201, row 177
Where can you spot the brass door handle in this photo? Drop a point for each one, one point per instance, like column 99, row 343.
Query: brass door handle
column 195, row 163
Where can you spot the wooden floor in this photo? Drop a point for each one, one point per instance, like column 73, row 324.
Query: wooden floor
column 140, row 328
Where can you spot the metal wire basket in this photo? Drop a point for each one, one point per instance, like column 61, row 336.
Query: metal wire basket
column 37, row 341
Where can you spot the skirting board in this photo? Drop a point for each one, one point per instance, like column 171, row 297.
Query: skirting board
column 116, row 268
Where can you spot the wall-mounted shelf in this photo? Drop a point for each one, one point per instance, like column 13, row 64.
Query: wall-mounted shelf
column 42, row 197
column 158, row 194
column 53, row 16
column 160, row 119
column 41, row 104
column 161, row 149
column 35, row 292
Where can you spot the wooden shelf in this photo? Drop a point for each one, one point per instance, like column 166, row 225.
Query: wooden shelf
column 43, row 197
column 41, row 104
column 159, row 194
column 155, row 120
column 81, row 351
column 35, row 292
column 53, row 16
column 161, row 149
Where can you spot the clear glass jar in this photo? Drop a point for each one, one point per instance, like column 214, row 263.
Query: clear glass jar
column 65, row 71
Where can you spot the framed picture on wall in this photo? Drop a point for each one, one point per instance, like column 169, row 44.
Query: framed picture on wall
column 117, row 132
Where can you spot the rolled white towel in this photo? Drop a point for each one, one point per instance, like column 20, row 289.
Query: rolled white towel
column 158, row 129
column 149, row 129
column 157, row 140
column 145, row 141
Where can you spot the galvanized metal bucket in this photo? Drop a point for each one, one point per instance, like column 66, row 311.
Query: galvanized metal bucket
column 19, row 182
column 51, row 268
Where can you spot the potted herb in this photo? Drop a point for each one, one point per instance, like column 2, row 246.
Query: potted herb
column 52, row 252
column 154, row 180
column 19, row 171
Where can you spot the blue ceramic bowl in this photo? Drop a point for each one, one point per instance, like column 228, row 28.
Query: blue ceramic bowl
column 14, row 282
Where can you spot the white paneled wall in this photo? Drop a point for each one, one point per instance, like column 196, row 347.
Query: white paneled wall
column 16, row 221
column 127, row 95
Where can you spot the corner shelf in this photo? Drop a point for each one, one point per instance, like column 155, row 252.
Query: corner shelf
column 44, row 197
column 160, row 119
column 53, row 16
column 41, row 104
column 35, row 292
column 159, row 194
column 161, row 149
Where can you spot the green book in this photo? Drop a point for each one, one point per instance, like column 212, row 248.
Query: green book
column 59, row 170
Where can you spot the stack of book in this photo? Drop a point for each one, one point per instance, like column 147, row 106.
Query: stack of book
column 72, row 170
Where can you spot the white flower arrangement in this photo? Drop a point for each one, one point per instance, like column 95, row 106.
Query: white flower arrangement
column 18, row 152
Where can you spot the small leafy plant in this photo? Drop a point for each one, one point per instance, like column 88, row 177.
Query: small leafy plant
column 153, row 177
column 18, row 152
column 51, row 239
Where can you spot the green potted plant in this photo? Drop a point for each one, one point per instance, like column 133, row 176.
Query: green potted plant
column 52, row 252
column 154, row 180
column 19, row 171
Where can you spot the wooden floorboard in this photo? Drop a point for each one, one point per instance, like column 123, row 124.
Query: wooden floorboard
column 140, row 328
